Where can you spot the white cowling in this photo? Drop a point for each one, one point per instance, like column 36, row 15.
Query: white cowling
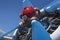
column 56, row 35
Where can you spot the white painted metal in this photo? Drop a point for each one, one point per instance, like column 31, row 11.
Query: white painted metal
column 56, row 34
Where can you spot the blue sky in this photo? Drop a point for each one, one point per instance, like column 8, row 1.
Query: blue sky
column 10, row 10
column 9, row 14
